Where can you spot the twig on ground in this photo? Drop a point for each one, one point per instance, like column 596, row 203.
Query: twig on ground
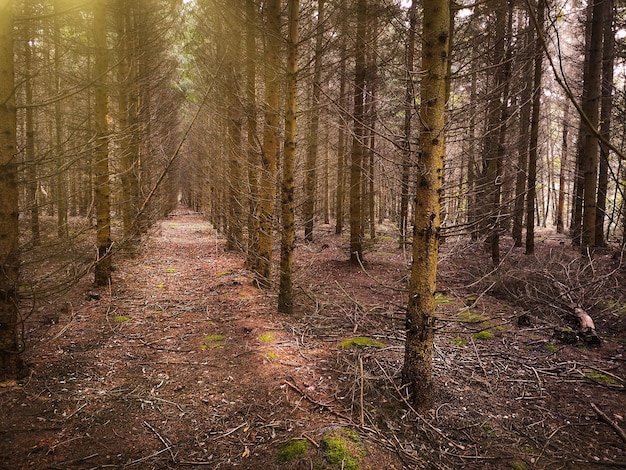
column 168, row 447
column 315, row 402
column 620, row 432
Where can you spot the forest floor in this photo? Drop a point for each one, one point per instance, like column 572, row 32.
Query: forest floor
column 182, row 363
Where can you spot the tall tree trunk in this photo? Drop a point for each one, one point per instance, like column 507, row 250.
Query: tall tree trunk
column 534, row 134
column 522, row 160
column 409, row 103
column 10, row 344
column 560, row 210
column 252, row 137
column 102, row 274
column 60, row 177
column 608, row 58
column 591, row 108
column 372, row 115
column 127, row 103
column 31, row 165
column 235, row 203
column 310, row 169
column 358, row 139
column 285, row 292
column 267, row 186
column 420, row 321
column 341, row 144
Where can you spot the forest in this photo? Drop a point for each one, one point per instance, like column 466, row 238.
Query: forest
column 312, row 234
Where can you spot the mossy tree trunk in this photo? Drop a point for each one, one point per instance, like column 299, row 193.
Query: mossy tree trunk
column 420, row 321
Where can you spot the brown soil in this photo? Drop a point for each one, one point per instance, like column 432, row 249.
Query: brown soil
column 182, row 363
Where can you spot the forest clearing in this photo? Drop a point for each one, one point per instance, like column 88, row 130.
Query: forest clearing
column 183, row 363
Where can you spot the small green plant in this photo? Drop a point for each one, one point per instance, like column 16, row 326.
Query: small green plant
column 617, row 307
column 169, row 270
column 468, row 316
column 160, row 286
column 121, row 318
column 601, row 378
column 458, row 341
column 343, row 448
column 361, row 342
column 224, row 273
column 487, row 429
column 483, row 335
column 272, row 356
column 291, row 450
column 266, row 337
column 212, row 342
column 441, row 299
column 551, row 348
column 518, row 465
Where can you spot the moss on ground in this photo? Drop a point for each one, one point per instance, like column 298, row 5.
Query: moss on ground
column 361, row 342
column 292, row 450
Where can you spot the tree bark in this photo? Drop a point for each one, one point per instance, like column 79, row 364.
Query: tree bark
column 534, row 135
column 608, row 58
column 285, row 292
column 420, row 321
column 102, row 273
column 310, row 169
column 10, row 344
column 590, row 107
column 341, row 144
column 409, row 104
column 267, row 186
column 358, row 139
column 252, row 137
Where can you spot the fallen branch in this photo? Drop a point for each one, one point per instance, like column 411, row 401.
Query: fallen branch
column 315, row 402
column 620, row 432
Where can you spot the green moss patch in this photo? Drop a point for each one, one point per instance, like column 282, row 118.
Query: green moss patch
column 601, row 378
column 483, row 335
column 458, row 341
column 292, row 450
column 471, row 317
column 212, row 342
column 121, row 318
column 361, row 342
column 343, row 449
column 266, row 338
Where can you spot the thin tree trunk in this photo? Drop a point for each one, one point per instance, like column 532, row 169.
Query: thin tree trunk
column 234, row 234
column 608, row 58
column 358, row 139
column 560, row 211
column 591, row 109
column 285, row 292
column 409, row 103
column 102, row 275
column 310, row 170
column 60, row 177
column 31, row 165
column 252, row 151
column 10, row 344
column 420, row 321
column 534, row 135
column 267, row 186
column 341, row 138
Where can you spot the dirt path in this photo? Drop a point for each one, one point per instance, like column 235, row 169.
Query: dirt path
column 182, row 363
